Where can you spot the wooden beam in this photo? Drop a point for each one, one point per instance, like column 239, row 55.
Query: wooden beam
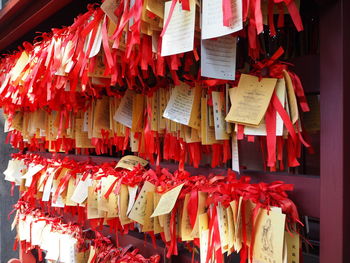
column 10, row 10
column 29, row 18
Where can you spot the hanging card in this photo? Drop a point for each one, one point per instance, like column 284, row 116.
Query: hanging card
column 81, row 137
column 186, row 228
column 212, row 18
column 37, row 229
column 236, row 210
column 92, row 202
column 123, row 114
column 207, row 131
column 130, row 161
column 202, row 198
column 86, row 121
column 249, row 209
column 253, row 98
column 157, row 226
column 106, row 183
column 132, row 196
column 219, row 58
column 27, row 227
column 292, row 100
column 261, row 129
column 179, row 35
column 67, row 249
column 167, row 201
column 155, row 108
column 149, row 221
column 60, row 202
column 179, row 107
column 292, row 243
column 195, row 118
column 235, row 153
column 31, row 171
column 90, row 121
column 219, row 116
column 53, row 247
column 162, row 102
column 203, row 236
column 156, row 7
column 81, row 191
column 101, row 117
column 49, row 174
column 22, row 231
column 223, row 226
column 70, row 191
column 204, row 241
column 203, row 220
column 123, row 205
column 45, row 237
column 231, row 229
column 113, row 209
column 137, row 212
column 14, row 170
column 269, row 239
column 192, row 135
column 137, row 112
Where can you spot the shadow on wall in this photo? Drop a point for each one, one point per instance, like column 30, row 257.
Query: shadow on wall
column 6, row 200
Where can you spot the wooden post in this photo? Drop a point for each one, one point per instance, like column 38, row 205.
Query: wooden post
column 335, row 132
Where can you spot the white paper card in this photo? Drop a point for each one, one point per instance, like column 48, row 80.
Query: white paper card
column 219, row 58
column 219, row 115
column 48, row 185
column 179, row 107
column 96, row 46
column 179, row 35
column 59, row 202
column 204, row 239
column 67, row 249
column 37, row 229
column 81, row 191
column 53, row 248
column 235, row 154
column 32, row 170
column 21, row 229
column 27, row 223
column 14, row 169
column 123, row 114
column 132, row 197
column 212, row 19
column 45, row 237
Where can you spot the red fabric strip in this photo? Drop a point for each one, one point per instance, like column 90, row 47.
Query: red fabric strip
column 270, row 118
column 171, row 11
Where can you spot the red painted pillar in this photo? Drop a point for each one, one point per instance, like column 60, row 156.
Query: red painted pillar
column 335, row 132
